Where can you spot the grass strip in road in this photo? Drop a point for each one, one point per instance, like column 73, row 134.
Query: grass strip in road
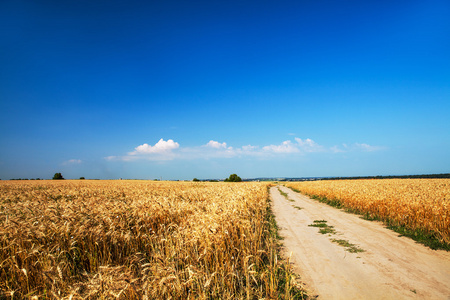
column 324, row 227
column 285, row 195
column 352, row 248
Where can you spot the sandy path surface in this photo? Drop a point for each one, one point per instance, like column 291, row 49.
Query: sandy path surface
column 391, row 267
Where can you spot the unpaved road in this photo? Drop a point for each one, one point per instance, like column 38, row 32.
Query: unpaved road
column 391, row 267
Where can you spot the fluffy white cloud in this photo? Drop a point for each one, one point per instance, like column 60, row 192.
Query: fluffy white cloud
column 285, row 147
column 249, row 148
column 308, row 145
column 300, row 145
column 160, row 147
column 216, row 145
column 162, row 150
column 169, row 150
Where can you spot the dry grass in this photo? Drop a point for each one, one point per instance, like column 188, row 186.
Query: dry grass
column 417, row 204
column 137, row 240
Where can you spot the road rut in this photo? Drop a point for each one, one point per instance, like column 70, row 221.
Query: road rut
column 391, row 267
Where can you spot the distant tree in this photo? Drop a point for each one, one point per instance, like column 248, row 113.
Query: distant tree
column 195, row 179
column 82, row 178
column 233, row 178
column 58, row 176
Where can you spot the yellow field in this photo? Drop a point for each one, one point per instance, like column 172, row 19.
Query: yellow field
column 422, row 204
column 136, row 240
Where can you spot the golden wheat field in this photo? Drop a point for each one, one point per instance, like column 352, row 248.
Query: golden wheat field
column 422, row 204
column 137, row 240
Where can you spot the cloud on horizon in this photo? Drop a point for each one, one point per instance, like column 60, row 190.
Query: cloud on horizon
column 216, row 145
column 159, row 148
column 356, row 147
column 171, row 150
column 369, row 148
column 72, row 162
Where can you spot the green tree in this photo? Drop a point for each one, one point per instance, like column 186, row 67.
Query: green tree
column 195, row 179
column 58, row 176
column 233, row 178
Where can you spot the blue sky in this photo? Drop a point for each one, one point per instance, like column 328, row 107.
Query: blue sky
column 184, row 89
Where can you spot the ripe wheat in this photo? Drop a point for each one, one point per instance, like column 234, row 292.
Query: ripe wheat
column 417, row 204
column 136, row 240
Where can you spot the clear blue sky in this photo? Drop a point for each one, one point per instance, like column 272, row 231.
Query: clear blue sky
column 184, row 89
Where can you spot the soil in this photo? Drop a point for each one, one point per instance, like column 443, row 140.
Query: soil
column 391, row 266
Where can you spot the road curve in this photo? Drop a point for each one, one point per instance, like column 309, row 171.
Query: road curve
column 391, row 267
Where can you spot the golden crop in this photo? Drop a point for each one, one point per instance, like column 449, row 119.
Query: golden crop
column 136, row 240
column 422, row 204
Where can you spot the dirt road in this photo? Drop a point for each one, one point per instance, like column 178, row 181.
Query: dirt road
column 391, row 267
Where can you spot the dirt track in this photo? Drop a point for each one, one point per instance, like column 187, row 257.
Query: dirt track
column 391, row 267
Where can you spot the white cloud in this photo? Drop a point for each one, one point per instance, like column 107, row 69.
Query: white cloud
column 285, row 147
column 308, row 145
column 162, row 150
column 216, row 145
column 213, row 149
column 249, row 148
column 169, row 150
column 160, row 147
column 356, row 147
column 72, row 162
column 368, row 148
column 336, row 149
column 300, row 145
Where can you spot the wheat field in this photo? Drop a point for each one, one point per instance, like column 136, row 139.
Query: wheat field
column 95, row 239
column 417, row 204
